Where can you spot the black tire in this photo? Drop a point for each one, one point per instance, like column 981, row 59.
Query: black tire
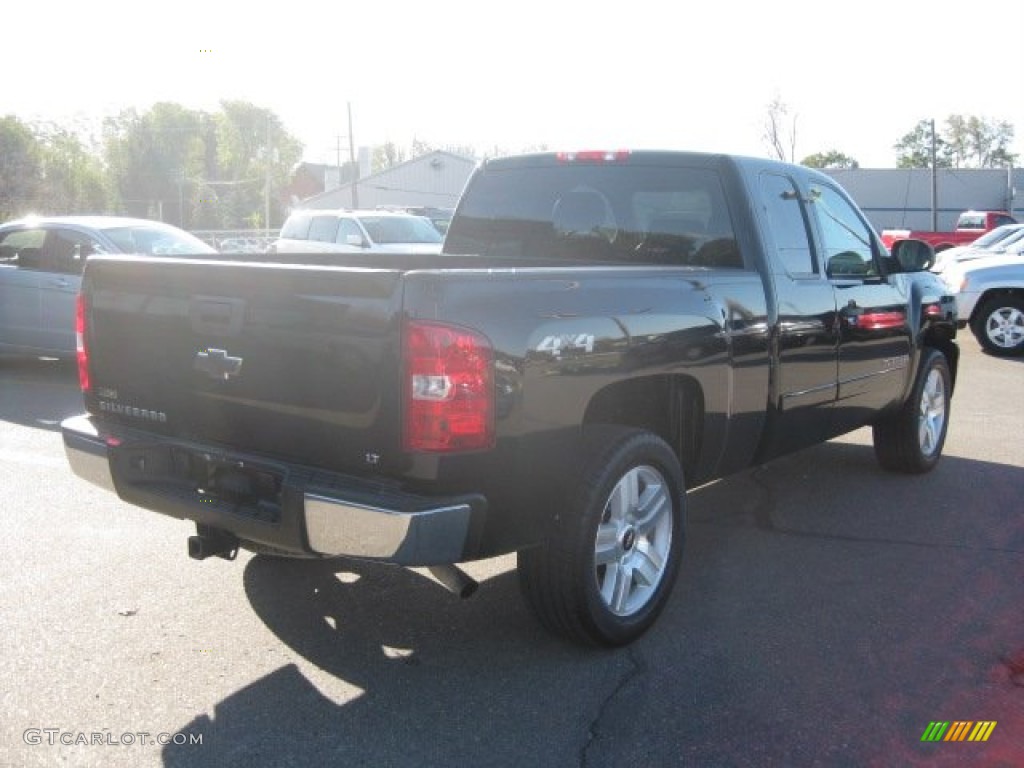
column 911, row 439
column 999, row 325
column 615, row 503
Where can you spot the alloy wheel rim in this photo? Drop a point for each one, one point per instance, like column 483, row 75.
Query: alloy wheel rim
column 932, row 413
column 634, row 540
column 1005, row 327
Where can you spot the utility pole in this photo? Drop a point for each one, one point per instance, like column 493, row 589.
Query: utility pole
column 266, row 185
column 935, row 185
column 352, row 159
column 1011, row 190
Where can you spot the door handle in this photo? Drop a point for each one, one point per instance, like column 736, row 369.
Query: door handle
column 59, row 282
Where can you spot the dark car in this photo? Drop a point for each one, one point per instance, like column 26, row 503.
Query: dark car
column 41, row 261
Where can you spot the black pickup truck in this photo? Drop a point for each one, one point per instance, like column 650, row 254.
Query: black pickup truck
column 601, row 332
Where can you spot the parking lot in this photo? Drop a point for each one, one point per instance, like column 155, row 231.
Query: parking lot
column 827, row 612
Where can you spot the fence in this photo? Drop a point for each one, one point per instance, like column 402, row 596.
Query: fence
column 238, row 240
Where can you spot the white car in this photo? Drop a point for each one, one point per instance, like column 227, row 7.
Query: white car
column 990, row 299
column 346, row 231
column 997, row 242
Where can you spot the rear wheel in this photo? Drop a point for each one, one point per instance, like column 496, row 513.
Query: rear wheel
column 611, row 559
column 911, row 439
column 999, row 325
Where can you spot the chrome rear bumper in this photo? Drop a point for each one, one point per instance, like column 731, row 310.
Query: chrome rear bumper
column 346, row 517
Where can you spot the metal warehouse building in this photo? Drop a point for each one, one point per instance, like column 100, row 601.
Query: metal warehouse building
column 891, row 198
column 435, row 179
column 902, row 198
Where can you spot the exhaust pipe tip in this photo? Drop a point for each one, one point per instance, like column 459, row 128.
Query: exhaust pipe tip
column 454, row 579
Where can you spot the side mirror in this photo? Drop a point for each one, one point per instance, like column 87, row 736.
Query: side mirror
column 355, row 240
column 913, row 255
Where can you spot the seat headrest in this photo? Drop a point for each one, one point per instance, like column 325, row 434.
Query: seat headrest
column 581, row 212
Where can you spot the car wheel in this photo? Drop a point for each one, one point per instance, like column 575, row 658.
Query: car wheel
column 911, row 439
column 999, row 325
column 610, row 561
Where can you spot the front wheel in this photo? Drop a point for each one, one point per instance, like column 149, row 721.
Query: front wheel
column 999, row 325
column 911, row 439
column 610, row 561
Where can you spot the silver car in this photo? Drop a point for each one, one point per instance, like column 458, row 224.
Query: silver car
column 345, row 231
column 990, row 299
column 41, row 262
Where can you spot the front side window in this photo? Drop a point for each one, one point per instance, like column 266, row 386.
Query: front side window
column 846, row 240
column 23, row 248
column 154, row 240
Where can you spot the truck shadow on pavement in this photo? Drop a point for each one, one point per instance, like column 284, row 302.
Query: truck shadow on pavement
column 427, row 679
column 39, row 392
column 830, row 611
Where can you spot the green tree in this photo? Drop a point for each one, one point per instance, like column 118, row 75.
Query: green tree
column 155, row 160
column 979, row 143
column 73, row 179
column 20, row 168
column 831, row 159
column 255, row 155
column 964, row 142
column 420, row 148
column 386, row 156
column 200, row 170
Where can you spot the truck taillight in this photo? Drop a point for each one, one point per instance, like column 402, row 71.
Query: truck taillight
column 449, row 389
column 82, row 351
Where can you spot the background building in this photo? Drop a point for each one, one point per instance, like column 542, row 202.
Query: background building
column 892, row 198
column 901, row 198
column 435, row 180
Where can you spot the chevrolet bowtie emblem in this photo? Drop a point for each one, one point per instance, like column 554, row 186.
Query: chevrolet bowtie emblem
column 217, row 364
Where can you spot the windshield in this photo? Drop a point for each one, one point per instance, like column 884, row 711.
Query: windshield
column 1010, row 241
column 157, row 241
column 997, row 234
column 400, row 229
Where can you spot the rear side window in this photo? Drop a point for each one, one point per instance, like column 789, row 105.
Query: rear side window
column 787, row 224
column 66, row 250
column 296, row 227
column 400, row 229
column 349, row 233
column 603, row 212
column 323, row 229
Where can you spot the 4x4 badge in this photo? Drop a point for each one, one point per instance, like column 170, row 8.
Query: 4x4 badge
column 217, row 364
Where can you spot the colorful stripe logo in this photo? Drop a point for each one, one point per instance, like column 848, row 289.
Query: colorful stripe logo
column 959, row 730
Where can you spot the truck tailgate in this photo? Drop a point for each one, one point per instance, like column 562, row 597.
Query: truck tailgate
column 293, row 361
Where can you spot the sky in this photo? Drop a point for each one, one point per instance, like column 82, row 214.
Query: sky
column 855, row 77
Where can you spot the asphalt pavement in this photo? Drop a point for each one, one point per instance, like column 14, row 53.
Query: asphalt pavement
column 827, row 613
